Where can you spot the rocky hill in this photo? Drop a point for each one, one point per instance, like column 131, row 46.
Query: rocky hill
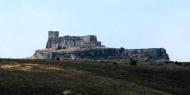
column 87, row 47
column 153, row 54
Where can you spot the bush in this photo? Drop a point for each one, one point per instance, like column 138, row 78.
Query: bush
column 178, row 63
column 115, row 63
column 133, row 62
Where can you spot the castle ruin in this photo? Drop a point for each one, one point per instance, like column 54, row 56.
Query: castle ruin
column 56, row 42
column 88, row 47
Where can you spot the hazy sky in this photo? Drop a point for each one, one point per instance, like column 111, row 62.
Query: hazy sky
column 117, row 23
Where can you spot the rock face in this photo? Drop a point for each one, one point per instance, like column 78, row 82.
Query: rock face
column 145, row 55
column 87, row 47
column 56, row 42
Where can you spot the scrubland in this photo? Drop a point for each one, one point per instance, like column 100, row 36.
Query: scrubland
column 43, row 77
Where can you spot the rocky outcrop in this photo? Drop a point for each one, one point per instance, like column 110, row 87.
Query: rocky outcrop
column 145, row 55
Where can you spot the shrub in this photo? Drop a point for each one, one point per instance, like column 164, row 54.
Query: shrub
column 133, row 62
column 115, row 63
column 178, row 63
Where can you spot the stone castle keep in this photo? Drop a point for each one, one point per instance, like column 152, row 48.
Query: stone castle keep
column 88, row 47
column 55, row 42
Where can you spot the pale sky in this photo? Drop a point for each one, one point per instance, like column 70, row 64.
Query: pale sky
column 24, row 24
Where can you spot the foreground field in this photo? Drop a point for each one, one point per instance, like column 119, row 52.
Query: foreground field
column 41, row 77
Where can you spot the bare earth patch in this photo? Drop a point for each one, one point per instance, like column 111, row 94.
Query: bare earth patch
column 29, row 67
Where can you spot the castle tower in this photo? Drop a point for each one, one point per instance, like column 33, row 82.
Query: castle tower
column 53, row 34
column 53, row 37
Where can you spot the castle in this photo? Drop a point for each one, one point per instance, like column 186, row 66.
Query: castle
column 88, row 47
column 56, row 42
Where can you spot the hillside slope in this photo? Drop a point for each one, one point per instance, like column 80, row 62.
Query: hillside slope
column 41, row 77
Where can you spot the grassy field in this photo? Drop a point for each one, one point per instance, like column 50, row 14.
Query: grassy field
column 42, row 77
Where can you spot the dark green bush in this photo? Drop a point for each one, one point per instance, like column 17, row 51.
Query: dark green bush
column 133, row 62
column 178, row 63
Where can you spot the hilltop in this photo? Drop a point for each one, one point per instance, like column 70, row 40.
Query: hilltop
column 88, row 47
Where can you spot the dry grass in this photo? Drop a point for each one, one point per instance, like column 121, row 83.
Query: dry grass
column 42, row 77
column 30, row 67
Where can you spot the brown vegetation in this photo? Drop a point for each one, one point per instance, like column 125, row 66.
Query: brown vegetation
column 42, row 77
